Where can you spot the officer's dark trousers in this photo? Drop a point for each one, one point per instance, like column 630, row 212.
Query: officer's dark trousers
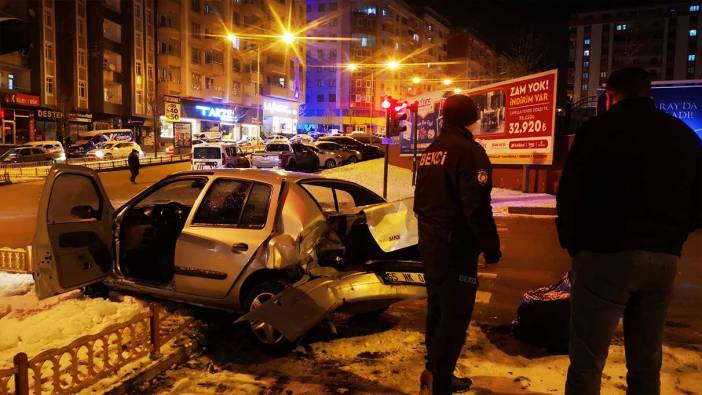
column 634, row 284
column 451, row 276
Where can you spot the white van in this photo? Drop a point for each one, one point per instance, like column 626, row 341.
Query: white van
column 52, row 147
column 217, row 155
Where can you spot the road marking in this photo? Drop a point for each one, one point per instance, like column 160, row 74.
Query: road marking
column 483, row 297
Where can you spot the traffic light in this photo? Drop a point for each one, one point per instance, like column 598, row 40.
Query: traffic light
column 397, row 116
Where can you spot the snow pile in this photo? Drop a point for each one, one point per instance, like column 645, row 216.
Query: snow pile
column 15, row 284
column 60, row 325
column 370, row 175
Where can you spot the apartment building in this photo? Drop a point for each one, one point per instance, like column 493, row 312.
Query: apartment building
column 384, row 48
column 663, row 39
column 223, row 81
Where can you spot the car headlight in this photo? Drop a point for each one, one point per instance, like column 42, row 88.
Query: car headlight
column 62, row 157
column 99, row 153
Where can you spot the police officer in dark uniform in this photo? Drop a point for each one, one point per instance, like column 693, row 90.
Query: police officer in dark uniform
column 452, row 203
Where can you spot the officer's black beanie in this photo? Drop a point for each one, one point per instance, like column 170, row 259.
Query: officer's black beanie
column 459, row 110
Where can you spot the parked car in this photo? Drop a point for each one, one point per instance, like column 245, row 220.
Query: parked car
column 231, row 240
column 93, row 139
column 283, row 155
column 251, row 144
column 302, row 138
column 218, row 155
column 367, row 151
column 25, row 155
column 278, row 138
column 366, row 138
column 53, row 147
column 327, row 159
column 114, row 150
column 347, row 155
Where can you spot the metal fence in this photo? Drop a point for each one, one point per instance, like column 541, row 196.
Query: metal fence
column 88, row 359
column 41, row 169
column 15, row 260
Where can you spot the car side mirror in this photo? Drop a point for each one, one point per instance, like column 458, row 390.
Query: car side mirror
column 83, row 212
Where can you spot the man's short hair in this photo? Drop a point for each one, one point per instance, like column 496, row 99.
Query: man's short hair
column 630, row 82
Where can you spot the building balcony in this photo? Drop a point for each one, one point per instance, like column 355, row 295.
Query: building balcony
column 275, row 90
column 170, row 88
column 169, row 60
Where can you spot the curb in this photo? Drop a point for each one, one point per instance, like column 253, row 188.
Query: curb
column 132, row 383
column 531, row 210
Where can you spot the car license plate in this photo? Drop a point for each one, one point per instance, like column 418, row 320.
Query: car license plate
column 402, row 278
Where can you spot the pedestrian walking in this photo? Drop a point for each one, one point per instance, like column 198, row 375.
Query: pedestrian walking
column 133, row 161
column 452, row 203
column 629, row 195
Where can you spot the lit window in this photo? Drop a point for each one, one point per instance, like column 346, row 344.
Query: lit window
column 81, row 89
column 586, row 76
column 693, row 32
column 50, row 85
column 281, row 82
column 603, row 74
column 586, row 52
column 587, row 41
column 364, row 41
column 415, row 37
column 586, row 64
column 583, row 88
column 694, row 8
column 621, row 28
column 691, row 57
column 10, row 81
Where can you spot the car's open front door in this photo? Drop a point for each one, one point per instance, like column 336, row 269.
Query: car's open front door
column 72, row 244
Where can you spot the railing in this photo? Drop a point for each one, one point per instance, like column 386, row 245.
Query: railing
column 15, row 260
column 88, row 359
column 41, row 169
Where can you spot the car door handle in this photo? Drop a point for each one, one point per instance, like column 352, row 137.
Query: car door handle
column 238, row 248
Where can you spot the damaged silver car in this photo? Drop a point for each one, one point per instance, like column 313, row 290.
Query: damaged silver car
column 285, row 249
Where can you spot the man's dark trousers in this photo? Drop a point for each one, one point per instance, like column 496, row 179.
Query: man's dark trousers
column 451, row 276
column 606, row 286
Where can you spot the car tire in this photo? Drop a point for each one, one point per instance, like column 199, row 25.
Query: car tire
column 267, row 338
column 330, row 164
column 353, row 159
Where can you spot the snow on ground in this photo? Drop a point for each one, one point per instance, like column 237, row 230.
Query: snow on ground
column 12, row 284
column 391, row 361
column 58, row 323
column 370, row 175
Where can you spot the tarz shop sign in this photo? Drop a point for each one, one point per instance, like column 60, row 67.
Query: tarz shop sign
column 517, row 119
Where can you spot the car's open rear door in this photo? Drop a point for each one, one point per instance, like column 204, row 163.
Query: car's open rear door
column 72, row 244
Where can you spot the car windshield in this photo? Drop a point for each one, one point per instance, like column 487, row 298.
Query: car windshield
column 8, row 153
column 108, row 145
column 277, row 147
column 207, row 153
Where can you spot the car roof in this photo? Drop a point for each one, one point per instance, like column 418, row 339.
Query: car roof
column 262, row 175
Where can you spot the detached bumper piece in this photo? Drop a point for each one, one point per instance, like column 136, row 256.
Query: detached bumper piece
column 301, row 307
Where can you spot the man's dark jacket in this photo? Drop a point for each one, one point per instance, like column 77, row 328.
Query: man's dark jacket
column 454, row 182
column 133, row 161
column 632, row 181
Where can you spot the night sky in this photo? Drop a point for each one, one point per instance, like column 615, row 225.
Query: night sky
column 502, row 21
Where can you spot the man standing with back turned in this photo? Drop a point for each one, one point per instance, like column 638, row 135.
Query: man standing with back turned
column 630, row 193
column 452, row 203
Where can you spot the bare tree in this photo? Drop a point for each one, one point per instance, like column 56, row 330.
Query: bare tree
column 530, row 50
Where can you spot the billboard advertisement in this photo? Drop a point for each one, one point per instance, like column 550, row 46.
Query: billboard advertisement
column 516, row 122
column 682, row 100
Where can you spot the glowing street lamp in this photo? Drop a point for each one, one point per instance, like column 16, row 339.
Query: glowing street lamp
column 352, row 67
column 386, row 104
column 231, row 37
column 393, row 65
column 447, row 81
column 457, row 90
column 416, row 80
column 288, row 37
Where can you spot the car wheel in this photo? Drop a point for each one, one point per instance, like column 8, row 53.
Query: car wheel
column 330, row 163
column 353, row 159
column 265, row 336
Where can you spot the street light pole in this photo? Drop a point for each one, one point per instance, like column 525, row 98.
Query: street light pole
column 258, row 88
column 372, row 109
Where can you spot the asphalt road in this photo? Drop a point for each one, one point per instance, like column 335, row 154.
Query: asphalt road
column 532, row 256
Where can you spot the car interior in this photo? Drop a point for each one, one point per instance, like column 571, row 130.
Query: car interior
column 151, row 226
column 342, row 203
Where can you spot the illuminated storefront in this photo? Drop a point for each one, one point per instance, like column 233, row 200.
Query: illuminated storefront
column 280, row 116
column 212, row 121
